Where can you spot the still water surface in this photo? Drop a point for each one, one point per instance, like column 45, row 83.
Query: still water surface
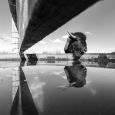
column 56, row 89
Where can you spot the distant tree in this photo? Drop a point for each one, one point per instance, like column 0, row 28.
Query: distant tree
column 103, row 60
column 113, row 53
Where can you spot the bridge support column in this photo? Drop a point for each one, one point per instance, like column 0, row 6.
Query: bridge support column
column 22, row 56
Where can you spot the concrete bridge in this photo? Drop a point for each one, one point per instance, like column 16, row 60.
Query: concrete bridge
column 35, row 19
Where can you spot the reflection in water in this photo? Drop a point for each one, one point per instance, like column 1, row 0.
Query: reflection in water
column 76, row 74
column 31, row 63
column 36, row 89
column 103, row 63
column 100, row 64
column 23, row 103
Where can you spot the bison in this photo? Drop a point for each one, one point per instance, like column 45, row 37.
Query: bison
column 76, row 44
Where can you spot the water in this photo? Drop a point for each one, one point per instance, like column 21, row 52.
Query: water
column 60, row 88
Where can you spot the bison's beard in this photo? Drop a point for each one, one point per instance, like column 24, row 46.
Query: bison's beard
column 77, row 54
column 78, row 51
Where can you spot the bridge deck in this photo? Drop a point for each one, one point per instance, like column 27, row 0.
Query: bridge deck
column 45, row 16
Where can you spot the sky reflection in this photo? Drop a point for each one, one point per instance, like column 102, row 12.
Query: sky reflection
column 44, row 87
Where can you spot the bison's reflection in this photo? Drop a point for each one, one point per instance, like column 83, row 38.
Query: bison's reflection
column 76, row 74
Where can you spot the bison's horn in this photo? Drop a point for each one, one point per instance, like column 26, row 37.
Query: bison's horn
column 71, row 35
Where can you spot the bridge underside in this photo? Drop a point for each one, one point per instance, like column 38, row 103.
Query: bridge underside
column 45, row 16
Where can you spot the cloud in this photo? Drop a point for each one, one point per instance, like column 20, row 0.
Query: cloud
column 57, row 73
column 5, row 37
column 64, row 77
column 88, row 33
column 57, row 41
column 93, row 91
column 65, row 36
column 106, row 50
column 5, row 46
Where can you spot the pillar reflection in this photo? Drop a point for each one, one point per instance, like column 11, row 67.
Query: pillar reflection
column 23, row 103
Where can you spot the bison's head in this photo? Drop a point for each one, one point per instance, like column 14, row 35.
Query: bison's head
column 76, row 44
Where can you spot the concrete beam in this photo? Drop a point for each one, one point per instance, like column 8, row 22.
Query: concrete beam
column 48, row 15
column 45, row 16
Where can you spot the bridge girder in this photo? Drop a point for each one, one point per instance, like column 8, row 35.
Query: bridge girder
column 45, row 16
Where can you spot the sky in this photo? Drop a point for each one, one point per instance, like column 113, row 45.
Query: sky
column 97, row 22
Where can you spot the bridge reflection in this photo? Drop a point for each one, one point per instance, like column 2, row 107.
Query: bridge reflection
column 23, row 103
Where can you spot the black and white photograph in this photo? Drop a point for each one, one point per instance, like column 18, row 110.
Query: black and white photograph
column 57, row 57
